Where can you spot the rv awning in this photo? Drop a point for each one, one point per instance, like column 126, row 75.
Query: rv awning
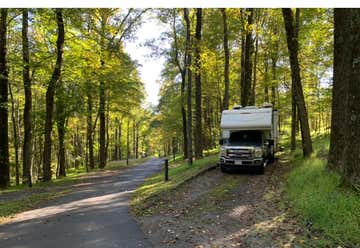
column 247, row 119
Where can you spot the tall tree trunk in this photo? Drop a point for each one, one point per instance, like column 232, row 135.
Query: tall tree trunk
column 16, row 138
column 137, row 141
column 27, row 147
column 47, row 173
column 266, row 82
column 107, row 122
column 61, row 136
column 14, row 119
column 253, row 87
column 273, row 85
column 292, row 31
column 4, row 139
column 345, row 121
column 189, row 86
column 119, row 140
column 89, row 132
column 294, row 120
column 127, row 142
column 134, row 139
column 60, row 123
column 242, row 59
column 102, row 100
column 198, row 94
column 116, row 147
column 183, row 84
column 226, row 61
column 102, row 131
column 249, row 43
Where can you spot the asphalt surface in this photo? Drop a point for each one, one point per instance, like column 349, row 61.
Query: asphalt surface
column 93, row 215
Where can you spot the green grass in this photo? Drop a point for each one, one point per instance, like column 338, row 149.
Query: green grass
column 11, row 208
column 179, row 172
column 73, row 175
column 316, row 195
column 29, row 200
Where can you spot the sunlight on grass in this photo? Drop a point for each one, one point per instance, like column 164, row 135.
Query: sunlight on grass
column 318, row 197
column 75, row 174
column 11, row 208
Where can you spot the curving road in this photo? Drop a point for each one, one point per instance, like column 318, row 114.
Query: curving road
column 94, row 214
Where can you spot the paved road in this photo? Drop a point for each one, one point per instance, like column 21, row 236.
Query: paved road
column 95, row 214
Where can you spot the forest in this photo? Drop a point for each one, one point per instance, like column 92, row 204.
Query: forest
column 71, row 97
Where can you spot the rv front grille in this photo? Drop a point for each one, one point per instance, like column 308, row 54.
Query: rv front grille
column 239, row 153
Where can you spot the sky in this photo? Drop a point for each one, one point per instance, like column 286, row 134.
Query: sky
column 150, row 70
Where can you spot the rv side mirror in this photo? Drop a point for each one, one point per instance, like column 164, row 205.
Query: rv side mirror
column 221, row 141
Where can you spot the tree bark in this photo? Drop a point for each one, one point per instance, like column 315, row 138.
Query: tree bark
column 89, row 132
column 249, row 43
column 47, row 173
column 294, row 120
column 253, row 87
column 127, row 141
column 242, row 59
column 273, row 86
column 183, row 84
column 102, row 119
column 60, row 123
column 189, row 86
column 292, row 30
column 61, row 136
column 14, row 119
column 102, row 100
column 4, row 139
column 345, row 132
column 198, row 93
column 226, row 61
column 119, row 140
column 266, row 81
column 27, row 146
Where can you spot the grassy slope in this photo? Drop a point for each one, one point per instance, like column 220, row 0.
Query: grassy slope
column 179, row 172
column 316, row 195
column 28, row 201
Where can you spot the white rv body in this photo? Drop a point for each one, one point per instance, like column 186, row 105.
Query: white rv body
column 259, row 126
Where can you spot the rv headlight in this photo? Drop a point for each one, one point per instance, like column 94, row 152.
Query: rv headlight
column 258, row 152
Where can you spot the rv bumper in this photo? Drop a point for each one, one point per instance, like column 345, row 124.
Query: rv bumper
column 241, row 163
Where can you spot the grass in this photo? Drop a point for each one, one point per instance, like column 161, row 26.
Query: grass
column 11, row 208
column 332, row 212
column 73, row 175
column 179, row 172
column 29, row 200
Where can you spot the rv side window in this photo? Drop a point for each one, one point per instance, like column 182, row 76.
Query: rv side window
column 245, row 138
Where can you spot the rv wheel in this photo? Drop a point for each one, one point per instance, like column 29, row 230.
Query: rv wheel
column 260, row 170
column 223, row 169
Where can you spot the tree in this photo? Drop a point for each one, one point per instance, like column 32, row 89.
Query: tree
column 15, row 122
column 345, row 131
column 226, row 61
column 188, row 56
column 27, row 146
column 198, row 95
column 182, row 71
column 292, row 34
column 47, row 173
column 4, row 139
column 249, row 49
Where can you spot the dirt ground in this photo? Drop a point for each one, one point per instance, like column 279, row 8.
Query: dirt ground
column 225, row 210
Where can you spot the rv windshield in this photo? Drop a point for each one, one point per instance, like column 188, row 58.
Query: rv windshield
column 245, row 138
